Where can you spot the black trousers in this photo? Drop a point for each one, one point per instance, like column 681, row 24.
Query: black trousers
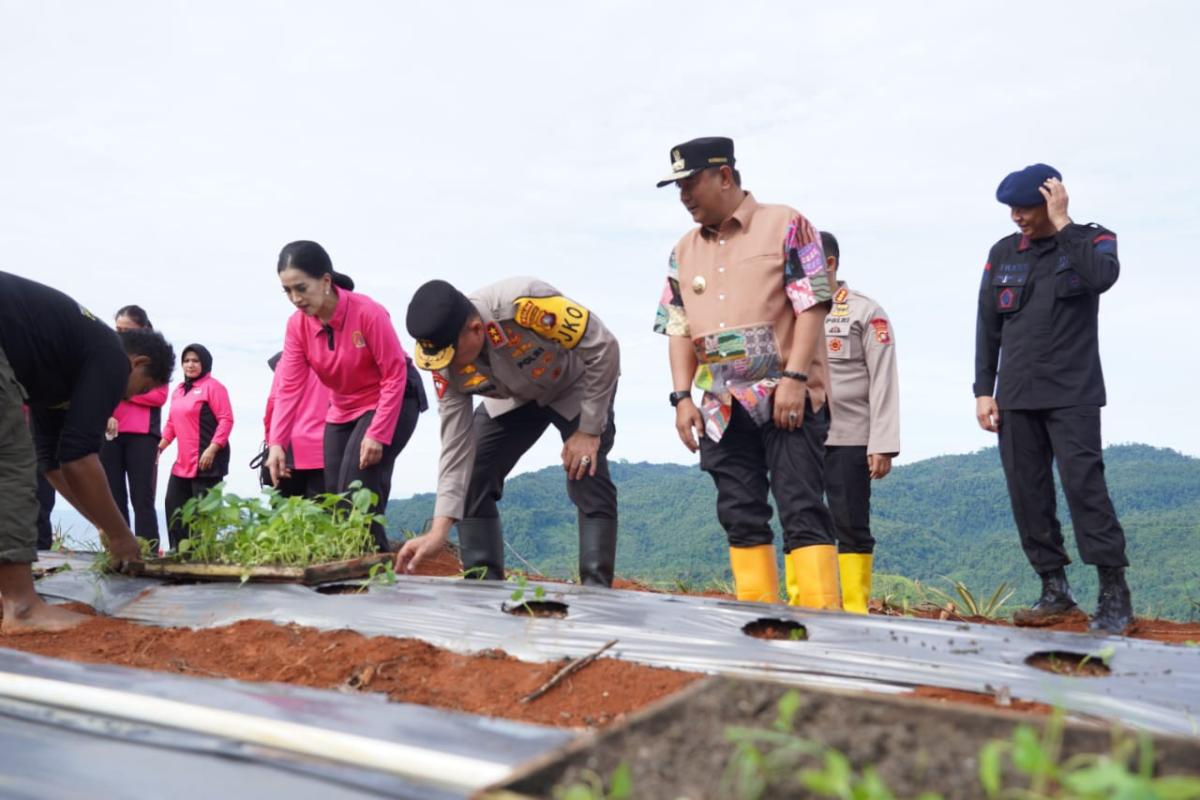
column 848, row 489
column 342, row 443
column 500, row 443
column 1030, row 441
column 45, row 496
column 303, row 483
column 795, row 463
column 134, row 456
column 179, row 491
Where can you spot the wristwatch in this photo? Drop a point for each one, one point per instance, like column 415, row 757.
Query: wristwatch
column 796, row 376
column 679, row 397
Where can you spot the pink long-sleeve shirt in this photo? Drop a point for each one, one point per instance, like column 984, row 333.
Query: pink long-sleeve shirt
column 188, row 422
column 308, row 431
column 135, row 414
column 364, row 370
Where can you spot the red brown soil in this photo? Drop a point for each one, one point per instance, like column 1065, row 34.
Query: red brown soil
column 406, row 670
column 1157, row 630
column 442, row 564
column 979, row 699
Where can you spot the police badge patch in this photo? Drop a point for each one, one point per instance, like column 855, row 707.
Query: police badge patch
column 556, row 318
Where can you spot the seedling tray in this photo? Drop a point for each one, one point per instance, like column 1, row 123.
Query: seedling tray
column 312, row 575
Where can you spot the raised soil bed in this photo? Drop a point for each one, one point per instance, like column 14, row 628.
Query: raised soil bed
column 679, row 748
column 406, row 670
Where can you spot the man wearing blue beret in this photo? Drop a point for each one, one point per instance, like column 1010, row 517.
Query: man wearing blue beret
column 1038, row 383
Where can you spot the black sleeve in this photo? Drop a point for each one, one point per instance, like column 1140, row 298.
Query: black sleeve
column 98, row 389
column 1092, row 252
column 47, row 424
column 987, row 334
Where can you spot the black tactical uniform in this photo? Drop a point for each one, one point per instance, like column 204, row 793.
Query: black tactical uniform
column 1038, row 306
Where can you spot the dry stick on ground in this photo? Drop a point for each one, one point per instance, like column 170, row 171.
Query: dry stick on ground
column 574, row 666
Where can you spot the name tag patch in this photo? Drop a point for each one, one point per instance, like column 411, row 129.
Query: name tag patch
column 556, row 318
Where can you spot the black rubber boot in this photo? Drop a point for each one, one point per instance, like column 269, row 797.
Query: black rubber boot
column 597, row 550
column 481, row 544
column 1055, row 605
column 1114, row 608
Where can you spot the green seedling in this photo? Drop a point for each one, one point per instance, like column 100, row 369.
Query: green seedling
column 224, row 528
column 474, row 573
column 522, row 586
column 381, row 574
column 592, row 786
column 1127, row 771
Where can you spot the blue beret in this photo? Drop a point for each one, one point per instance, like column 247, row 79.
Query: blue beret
column 1020, row 188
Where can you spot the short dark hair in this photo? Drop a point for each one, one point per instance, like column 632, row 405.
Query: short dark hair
column 135, row 313
column 152, row 345
column 311, row 259
column 829, row 244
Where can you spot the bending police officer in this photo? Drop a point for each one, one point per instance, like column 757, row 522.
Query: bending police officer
column 536, row 358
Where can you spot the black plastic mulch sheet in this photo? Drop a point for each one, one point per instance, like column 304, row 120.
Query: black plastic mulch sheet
column 1151, row 686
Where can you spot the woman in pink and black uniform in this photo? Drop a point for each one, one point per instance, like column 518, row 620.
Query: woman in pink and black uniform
column 201, row 418
column 348, row 341
column 306, row 455
column 131, row 450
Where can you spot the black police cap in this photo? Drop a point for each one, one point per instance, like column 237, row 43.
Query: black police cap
column 690, row 157
column 436, row 316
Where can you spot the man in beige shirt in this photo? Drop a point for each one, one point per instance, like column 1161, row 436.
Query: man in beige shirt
column 743, row 306
column 536, row 359
column 864, row 431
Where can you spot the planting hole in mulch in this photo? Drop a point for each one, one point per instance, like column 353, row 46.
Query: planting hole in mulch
column 1064, row 662
column 340, row 588
column 778, row 629
column 536, row 608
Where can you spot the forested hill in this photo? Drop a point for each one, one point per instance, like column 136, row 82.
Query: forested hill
column 946, row 516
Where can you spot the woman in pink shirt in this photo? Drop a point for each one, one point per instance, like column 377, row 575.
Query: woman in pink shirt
column 201, row 418
column 348, row 341
column 131, row 450
column 306, row 455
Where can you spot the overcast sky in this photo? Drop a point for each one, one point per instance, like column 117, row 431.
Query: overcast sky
column 161, row 153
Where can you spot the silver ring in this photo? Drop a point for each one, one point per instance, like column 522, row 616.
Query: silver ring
column 585, row 460
column 792, row 415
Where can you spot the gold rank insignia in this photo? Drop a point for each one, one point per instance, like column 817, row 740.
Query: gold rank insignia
column 677, row 163
column 428, row 357
column 699, row 284
column 841, row 295
column 556, row 318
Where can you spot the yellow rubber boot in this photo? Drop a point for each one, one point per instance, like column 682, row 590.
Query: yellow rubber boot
column 755, row 575
column 816, row 568
column 791, row 582
column 855, row 569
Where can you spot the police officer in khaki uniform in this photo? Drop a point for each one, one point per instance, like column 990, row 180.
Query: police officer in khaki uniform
column 864, row 428
column 743, row 307
column 536, row 358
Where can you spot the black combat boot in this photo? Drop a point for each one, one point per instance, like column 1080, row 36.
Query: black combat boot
column 597, row 550
column 1114, row 608
column 1055, row 605
column 481, row 545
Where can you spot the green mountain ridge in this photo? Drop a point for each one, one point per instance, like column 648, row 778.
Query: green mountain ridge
column 944, row 517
